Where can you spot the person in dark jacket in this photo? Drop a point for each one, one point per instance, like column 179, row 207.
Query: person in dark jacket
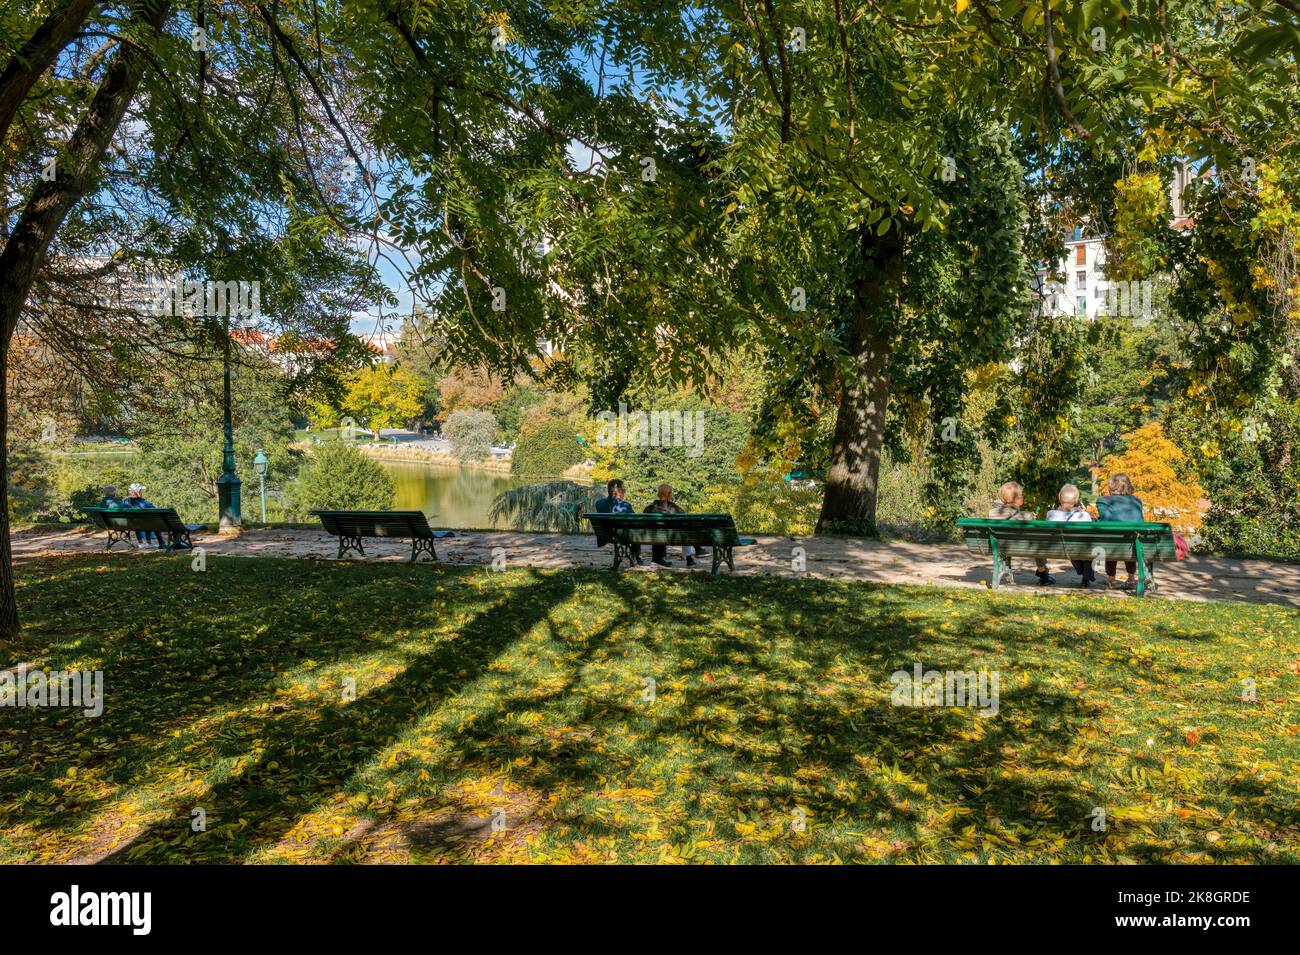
column 616, row 503
column 665, row 504
column 111, row 500
column 135, row 498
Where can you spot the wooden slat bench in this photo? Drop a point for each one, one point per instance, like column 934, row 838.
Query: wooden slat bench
column 1145, row 542
column 698, row 530
column 351, row 526
column 122, row 522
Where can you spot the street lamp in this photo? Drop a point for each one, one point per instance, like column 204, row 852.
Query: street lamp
column 260, row 465
column 228, row 483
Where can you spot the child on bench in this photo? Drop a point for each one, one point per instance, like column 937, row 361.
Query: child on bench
column 1010, row 496
column 1070, row 510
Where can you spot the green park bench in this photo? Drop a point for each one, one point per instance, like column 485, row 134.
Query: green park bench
column 351, row 526
column 698, row 530
column 122, row 522
column 1144, row 542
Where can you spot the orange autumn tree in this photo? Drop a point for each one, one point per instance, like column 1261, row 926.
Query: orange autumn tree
column 1153, row 463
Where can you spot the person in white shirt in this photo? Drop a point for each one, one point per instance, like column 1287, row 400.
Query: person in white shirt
column 1070, row 509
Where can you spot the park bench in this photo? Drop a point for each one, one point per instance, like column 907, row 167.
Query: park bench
column 122, row 522
column 1144, row 542
column 698, row 530
column 351, row 526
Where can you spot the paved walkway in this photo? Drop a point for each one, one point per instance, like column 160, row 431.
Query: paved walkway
column 898, row 562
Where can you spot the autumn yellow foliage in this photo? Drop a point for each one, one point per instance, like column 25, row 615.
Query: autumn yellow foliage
column 1152, row 463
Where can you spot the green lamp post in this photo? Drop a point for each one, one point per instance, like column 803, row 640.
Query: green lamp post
column 228, row 483
column 260, row 464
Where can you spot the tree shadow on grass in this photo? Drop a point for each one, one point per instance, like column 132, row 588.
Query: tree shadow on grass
column 230, row 660
column 755, row 711
column 772, row 695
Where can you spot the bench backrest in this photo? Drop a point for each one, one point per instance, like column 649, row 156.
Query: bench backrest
column 411, row 524
column 1073, row 540
column 716, row 529
column 135, row 518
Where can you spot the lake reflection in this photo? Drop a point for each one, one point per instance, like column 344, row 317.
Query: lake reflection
column 457, row 497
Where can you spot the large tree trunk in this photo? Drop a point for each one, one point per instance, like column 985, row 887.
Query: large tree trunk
column 48, row 206
column 35, row 56
column 852, row 480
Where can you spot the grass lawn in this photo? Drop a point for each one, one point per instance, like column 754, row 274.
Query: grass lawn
column 520, row 697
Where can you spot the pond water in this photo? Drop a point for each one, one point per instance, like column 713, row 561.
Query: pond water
column 457, row 497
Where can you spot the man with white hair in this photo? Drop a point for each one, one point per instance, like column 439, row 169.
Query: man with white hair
column 135, row 498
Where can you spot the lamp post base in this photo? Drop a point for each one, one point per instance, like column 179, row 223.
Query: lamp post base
column 228, row 501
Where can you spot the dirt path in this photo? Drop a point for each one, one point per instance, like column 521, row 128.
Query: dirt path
column 899, row 562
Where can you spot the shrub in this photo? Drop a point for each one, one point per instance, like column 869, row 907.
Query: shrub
column 767, row 507
column 31, row 475
column 546, row 449
column 80, row 479
column 1253, row 479
column 471, row 434
column 339, row 477
column 645, row 467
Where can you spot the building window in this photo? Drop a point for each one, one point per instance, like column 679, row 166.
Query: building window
column 1081, row 306
column 1080, row 255
column 1078, row 233
column 1081, row 280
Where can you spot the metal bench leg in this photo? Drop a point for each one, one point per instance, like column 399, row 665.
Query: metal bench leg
column 1142, row 567
column 115, row 536
column 350, row 543
column 997, row 563
column 717, row 559
column 621, row 551
column 423, row 546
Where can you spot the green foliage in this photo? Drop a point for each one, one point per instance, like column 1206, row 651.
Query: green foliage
column 1251, row 477
column 512, row 410
column 546, row 449
column 80, row 480
column 693, row 477
column 383, row 396
column 340, row 477
column 766, row 507
column 181, row 458
column 471, row 434
column 31, row 475
column 548, row 506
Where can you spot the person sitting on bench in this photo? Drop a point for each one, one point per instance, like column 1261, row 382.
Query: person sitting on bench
column 111, row 501
column 616, row 503
column 1010, row 496
column 1070, row 510
column 1119, row 504
column 666, row 505
column 135, row 498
